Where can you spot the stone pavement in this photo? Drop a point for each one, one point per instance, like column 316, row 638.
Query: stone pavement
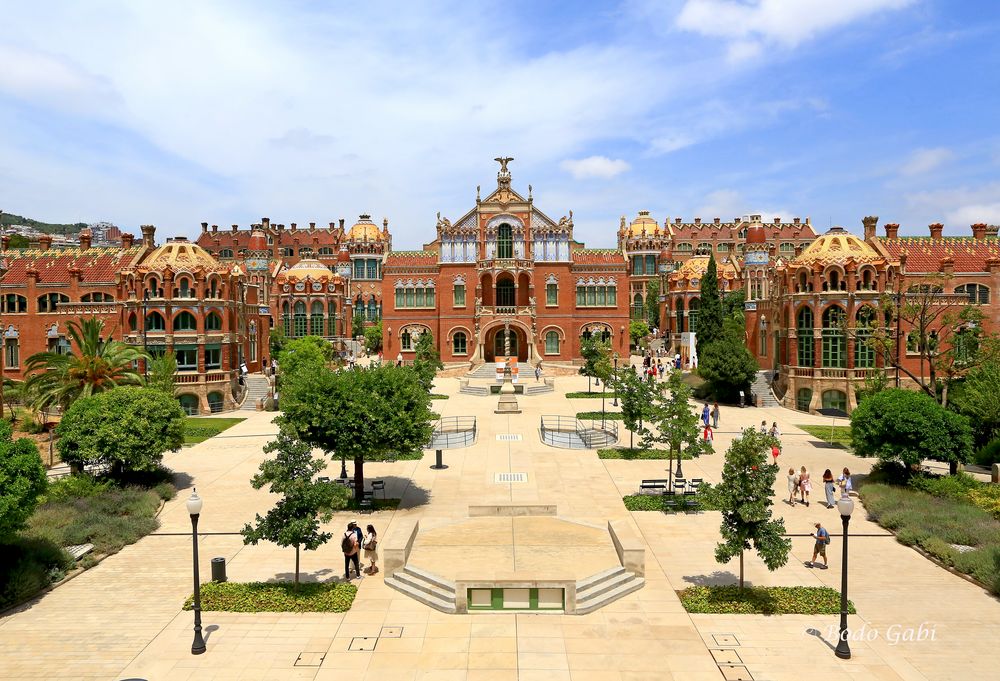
column 122, row 619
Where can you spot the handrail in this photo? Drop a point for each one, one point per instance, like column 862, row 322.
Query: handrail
column 569, row 432
column 453, row 432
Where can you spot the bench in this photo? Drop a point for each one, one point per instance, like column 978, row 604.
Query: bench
column 653, row 486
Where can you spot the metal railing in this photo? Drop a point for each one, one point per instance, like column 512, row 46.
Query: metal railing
column 453, row 432
column 568, row 432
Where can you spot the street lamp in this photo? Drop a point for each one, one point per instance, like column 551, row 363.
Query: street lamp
column 846, row 506
column 194, row 509
column 614, row 402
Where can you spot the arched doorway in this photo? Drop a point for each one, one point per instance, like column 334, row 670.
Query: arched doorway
column 505, row 291
column 496, row 341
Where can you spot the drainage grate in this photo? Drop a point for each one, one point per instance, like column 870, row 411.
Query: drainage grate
column 510, row 477
column 391, row 632
column 509, row 437
column 735, row 673
column 725, row 640
column 362, row 643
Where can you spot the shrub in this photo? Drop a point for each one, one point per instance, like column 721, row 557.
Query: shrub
column 74, row 487
column 989, row 454
column 28, row 565
column 275, row 597
column 761, row 600
column 948, row 486
column 637, row 453
column 708, row 500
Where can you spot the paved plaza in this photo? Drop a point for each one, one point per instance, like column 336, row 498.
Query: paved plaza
column 123, row 618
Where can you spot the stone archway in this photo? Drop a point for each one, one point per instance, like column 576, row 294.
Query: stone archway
column 494, row 343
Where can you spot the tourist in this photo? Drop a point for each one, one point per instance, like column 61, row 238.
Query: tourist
column 707, row 434
column 822, row 539
column 775, row 453
column 715, row 415
column 370, row 546
column 265, row 366
column 349, row 545
column 793, row 486
column 845, row 483
column 677, row 361
column 763, row 427
column 775, row 432
column 538, row 372
column 805, row 486
column 274, row 367
column 399, row 359
column 830, row 488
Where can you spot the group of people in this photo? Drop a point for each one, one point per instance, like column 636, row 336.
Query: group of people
column 353, row 542
column 707, row 433
column 800, row 484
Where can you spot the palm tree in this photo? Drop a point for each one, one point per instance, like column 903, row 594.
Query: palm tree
column 96, row 364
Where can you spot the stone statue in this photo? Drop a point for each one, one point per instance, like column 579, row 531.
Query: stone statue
column 503, row 161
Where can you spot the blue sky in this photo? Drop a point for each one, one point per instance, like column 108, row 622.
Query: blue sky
column 183, row 112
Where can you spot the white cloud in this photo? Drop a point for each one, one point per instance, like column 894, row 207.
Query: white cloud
column 959, row 206
column 729, row 203
column 925, row 160
column 789, row 23
column 594, row 166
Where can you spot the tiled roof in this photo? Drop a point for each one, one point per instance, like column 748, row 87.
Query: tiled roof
column 96, row 264
column 924, row 254
column 598, row 256
column 729, row 231
column 213, row 241
column 416, row 258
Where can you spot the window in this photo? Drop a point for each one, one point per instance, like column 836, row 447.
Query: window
column 458, row 344
column 299, row 320
column 864, row 353
column 226, row 253
column 704, row 248
column 638, row 310
column 683, row 247
column 694, row 308
column 316, row 317
column 60, row 346
column 215, row 402
column 189, row 403
column 185, row 321
column 184, row 288
column 505, row 241
column 552, row 343
column 977, row 293
column 213, row 357
column 803, row 398
column 804, row 330
column 12, row 302
column 213, row 322
column 153, row 289
column 213, row 288
column 97, row 297
column 834, row 340
column 505, row 293
column 867, row 282
column 638, row 266
column 11, row 353
column 187, row 357
column 596, row 296
column 50, row 301
column 459, row 295
column 787, row 248
column 406, row 341
column 371, row 268
column 359, row 268
column 373, row 314
column 834, row 399
column 325, row 250
column 722, row 248
column 552, row 294
column 132, row 322
column 288, row 252
column 305, row 252
column 155, row 322
column 415, row 297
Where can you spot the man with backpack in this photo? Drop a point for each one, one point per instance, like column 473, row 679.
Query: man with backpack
column 822, row 541
column 350, row 544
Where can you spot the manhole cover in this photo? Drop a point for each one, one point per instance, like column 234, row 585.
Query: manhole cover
column 391, row 632
column 725, row 640
column 310, row 659
column 510, row 477
column 726, row 656
column 735, row 673
column 362, row 643
column 509, row 437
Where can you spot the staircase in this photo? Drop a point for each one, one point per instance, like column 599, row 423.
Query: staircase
column 762, row 388
column 480, row 390
column 605, row 587
column 257, row 387
column 425, row 587
column 483, row 371
column 538, row 389
column 594, row 438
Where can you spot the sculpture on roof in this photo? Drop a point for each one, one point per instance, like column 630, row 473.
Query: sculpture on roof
column 503, row 161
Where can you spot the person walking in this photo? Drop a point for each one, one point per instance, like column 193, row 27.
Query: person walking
column 793, row 486
column 829, row 487
column 707, row 434
column 775, row 432
column 370, row 546
column 349, row 545
column 763, row 427
column 538, row 372
column 715, row 415
column 705, row 414
column 805, row 486
column 822, row 538
column 845, row 483
column 775, row 453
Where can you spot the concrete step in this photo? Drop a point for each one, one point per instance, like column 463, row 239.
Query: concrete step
column 433, row 601
column 600, row 600
column 439, row 582
column 480, row 390
column 588, row 582
column 538, row 389
column 424, row 586
column 762, row 388
column 603, row 586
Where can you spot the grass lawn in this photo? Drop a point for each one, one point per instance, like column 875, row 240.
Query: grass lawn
column 597, row 416
column 835, row 435
column 636, row 453
column 590, row 395
column 276, row 597
column 763, row 600
column 200, row 429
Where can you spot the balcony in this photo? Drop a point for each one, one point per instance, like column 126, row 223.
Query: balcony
column 506, row 264
column 857, row 374
column 210, row 376
column 505, row 310
column 87, row 309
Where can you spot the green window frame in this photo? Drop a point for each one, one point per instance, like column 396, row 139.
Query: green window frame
column 552, row 294
column 213, row 357
column 459, row 292
column 505, row 241
column 552, row 343
column 804, row 329
column 834, row 340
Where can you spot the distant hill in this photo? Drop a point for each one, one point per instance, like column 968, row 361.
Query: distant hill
column 47, row 227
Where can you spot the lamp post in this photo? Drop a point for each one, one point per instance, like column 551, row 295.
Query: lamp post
column 614, row 402
column 194, row 509
column 846, row 506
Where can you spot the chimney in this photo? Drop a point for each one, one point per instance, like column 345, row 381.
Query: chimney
column 235, row 228
column 280, row 227
column 948, row 265
column 718, row 220
column 266, row 222
column 312, row 226
column 991, row 230
column 798, row 250
column 891, row 230
column 294, row 226
column 204, row 227
column 127, row 240
column 4, row 242
column 215, row 228
column 869, row 222
column 85, row 239
column 148, row 232
column 797, row 221
column 677, row 221
column 45, row 242
column 341, row 223
column 697, row 221
column 936, row 229
column 777, row 221
column 979, row 230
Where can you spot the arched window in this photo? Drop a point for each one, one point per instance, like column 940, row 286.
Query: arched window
column 215, row 402
column 189, row 403
column 13, row 303
column 786, row 248
column 300, row 327
column 694, row 307
column 864, row 353
column 226, row 253
column 505, row 241
column 804, row 330
column 552, row 343
column 551, row 293
column 704, row 248
column 722, row 248
column 184, row 289
column 213, row 288
column 213, row 322
column 458, row 343
column 834, row 282
column 288, row 252
column 834, row 339
column 155, row 322
column 867, row 281
column 97, row 297
column 637, row 306
column 684, row 247
column 325, row 250
column 153, row 289
column 679, row 308
column 977, row 293
column 132, row 322
column 803, row 398
column 406, row 341
column 316, row 318
column 835, row 399
column 305, row 252
column 50, row 301
column 185, row 321
column 802, row 285
column 372, row 314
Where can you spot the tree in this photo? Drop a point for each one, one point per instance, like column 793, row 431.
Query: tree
column 733, row 304
column 727, row 364
column 426, row 360
column 304, row 504
column 307, row 352
column 637, row 330
column 22, row 479
column 365, row 414
column 677, row 424
column 745, row 499
column 276, row 340
column 96, row 364
column 636, row 397
column 373, row 337
column 19, row 241
column 128, row 428
column 653, row 303
column 161, row 373
column 907, row 426
column 358, row 323
column 710, row 313
column 596, row 359
column 978, row 398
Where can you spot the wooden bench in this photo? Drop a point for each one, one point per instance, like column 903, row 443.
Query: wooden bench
column 653, row 486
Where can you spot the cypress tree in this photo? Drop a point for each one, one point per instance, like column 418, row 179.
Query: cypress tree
column 709, row 327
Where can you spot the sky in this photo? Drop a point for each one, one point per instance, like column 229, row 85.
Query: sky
column 177, row 113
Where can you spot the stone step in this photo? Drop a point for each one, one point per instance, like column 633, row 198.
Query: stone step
column 588, row 582
column 430, row 577
column 479, row 390
column 599, row 601
column 538, row 389
column 423, row 585
column 435, row 602
column 603, row 586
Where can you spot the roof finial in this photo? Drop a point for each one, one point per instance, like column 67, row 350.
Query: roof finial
column 503, row 177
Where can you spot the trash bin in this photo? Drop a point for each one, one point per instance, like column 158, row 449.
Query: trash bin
column 218, row 569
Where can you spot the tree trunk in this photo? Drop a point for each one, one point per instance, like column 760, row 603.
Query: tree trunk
column 944, row 394
column 359, row 478
column 741, row 569
column 631, row 440
column 588, row 383
column 953, row 467
column 296, row 567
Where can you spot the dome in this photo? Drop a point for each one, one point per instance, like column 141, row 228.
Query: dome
column 756, row 235
column 837, row 247
column 180, row 254
column 643, row 225
column 307, row 267
column 365, row 230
